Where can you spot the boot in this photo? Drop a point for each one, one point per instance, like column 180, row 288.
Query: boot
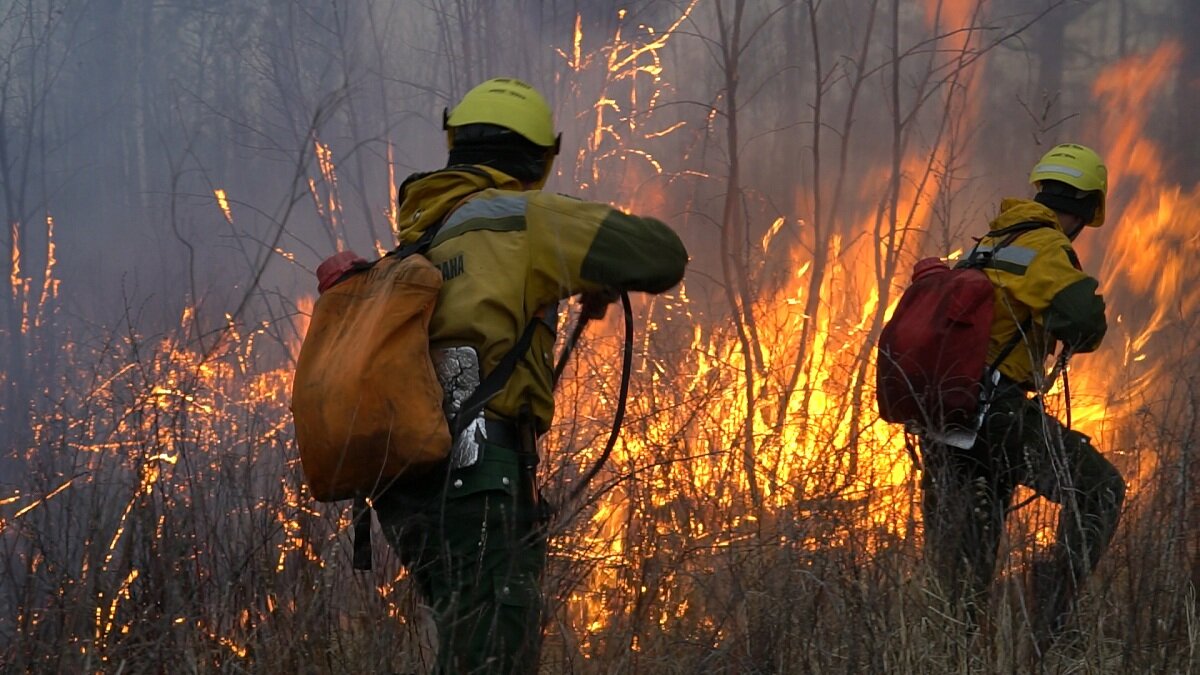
column 1053, row 590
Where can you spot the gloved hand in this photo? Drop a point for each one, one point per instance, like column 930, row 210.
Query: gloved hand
column 594, row 305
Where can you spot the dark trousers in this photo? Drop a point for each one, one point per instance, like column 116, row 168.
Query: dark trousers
column 474, row 542
column 967, row 494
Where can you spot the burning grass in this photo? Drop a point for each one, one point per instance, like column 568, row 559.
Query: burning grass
column 156, row 515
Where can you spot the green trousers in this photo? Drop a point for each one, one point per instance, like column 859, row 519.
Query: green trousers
column 967, row 494
column 474, row 542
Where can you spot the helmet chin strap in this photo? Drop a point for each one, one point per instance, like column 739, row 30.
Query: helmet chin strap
column 1073, row 227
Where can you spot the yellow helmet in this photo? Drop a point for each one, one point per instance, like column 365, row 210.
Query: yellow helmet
column 1078, row 167
column 508, row 103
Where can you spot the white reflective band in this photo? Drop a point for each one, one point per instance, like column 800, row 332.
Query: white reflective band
column 1013, row 254
column 1016, row 254
column 1058, row 168
column 495, row 207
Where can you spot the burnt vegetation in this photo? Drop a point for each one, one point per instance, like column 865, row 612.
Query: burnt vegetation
column 171, row 174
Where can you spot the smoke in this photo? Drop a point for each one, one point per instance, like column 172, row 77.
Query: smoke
column 124, row 118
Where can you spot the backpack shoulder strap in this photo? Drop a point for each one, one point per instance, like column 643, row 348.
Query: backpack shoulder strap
column 980, row 259
column 494, row 382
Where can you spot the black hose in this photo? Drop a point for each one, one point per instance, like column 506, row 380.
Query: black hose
column 619, row 415
column 1067, row 393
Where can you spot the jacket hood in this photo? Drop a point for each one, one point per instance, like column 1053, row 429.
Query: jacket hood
column 426, row 198
column 1014, row 211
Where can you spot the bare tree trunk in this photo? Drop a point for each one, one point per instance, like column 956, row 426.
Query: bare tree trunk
column 1048, row 40
column 824, row 221
column 142, row 72
column 732, row 233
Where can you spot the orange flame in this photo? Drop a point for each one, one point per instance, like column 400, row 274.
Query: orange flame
column 223, row 204
column 14, row 273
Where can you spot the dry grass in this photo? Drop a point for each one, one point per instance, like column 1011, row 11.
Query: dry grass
column 183, row 541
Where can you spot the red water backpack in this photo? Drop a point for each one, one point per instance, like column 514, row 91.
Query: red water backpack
column 932, row 354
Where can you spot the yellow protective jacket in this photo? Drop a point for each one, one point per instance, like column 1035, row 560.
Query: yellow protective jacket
column 509, row 255
column 1039, row 284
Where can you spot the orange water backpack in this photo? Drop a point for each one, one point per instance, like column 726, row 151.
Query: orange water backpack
column 366, row 401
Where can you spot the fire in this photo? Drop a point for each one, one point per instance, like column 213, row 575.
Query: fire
column 50, row 284
column 15, row 281
column 33, row 305
column 806, row 433
column 223, row 204
column 38, row 502
column 393, row 209
column 326, row 195
column 636, row 65
column 809, row 447
column 105, row 616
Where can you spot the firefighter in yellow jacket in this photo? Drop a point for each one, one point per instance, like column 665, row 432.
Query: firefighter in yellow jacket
column 1042, row 299
column 472, row 536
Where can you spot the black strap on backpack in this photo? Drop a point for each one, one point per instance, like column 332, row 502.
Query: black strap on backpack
column 980, row 259
column 493, row 383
